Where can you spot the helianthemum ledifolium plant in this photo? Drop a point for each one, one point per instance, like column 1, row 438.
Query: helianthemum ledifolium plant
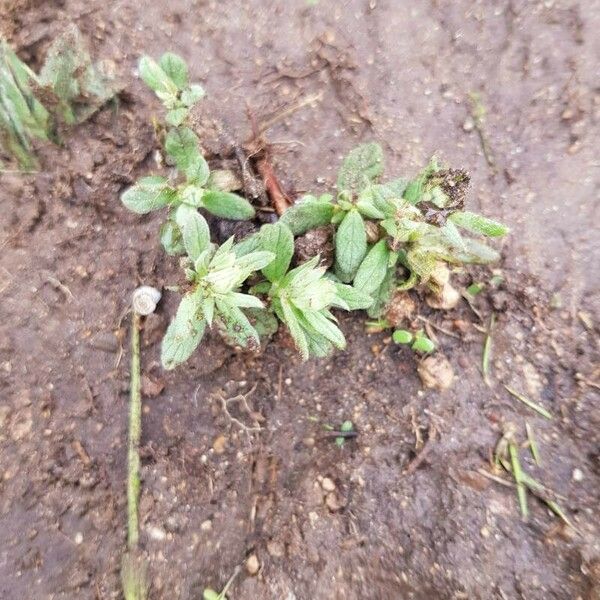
column 67, row 91
column 387, row 236
column 189, row 186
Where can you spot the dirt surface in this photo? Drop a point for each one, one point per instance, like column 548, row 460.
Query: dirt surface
column 401, row 511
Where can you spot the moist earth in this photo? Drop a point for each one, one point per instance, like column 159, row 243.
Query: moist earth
column 237, row 457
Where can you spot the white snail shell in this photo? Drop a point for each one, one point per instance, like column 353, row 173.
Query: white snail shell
column 144, row 299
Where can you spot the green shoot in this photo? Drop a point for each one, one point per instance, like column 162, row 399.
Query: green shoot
column 418, row 341
column 346, row 427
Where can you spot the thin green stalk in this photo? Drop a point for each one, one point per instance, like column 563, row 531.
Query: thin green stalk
column 532, row 444
column 135, row 432
column 487, row 351
column 518, row 475
column 533, row 405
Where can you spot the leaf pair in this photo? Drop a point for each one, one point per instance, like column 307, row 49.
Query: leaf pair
column 170, row 81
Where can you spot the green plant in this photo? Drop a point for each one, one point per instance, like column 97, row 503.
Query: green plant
column 69, row 89
column 408, row 224
column 190, row 187
column 387, row 237
column 418, row 341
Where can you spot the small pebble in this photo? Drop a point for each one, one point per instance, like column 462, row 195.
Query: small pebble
column 78, row 538
column 206, row 525
column 156, row 533
column 577, row 475
column 328, row 484
column 252, row 564
column 219, row 444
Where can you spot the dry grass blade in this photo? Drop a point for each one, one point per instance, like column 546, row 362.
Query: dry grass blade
column 518, row 475
column 532, row 444
column 533, row 405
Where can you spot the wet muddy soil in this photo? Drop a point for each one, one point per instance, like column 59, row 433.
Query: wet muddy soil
column 402, row 510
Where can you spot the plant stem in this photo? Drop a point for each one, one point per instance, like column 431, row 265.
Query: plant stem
column 135, row 432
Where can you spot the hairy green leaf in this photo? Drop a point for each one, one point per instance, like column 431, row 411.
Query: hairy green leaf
column 308, row 213
column 264, row 321
column 352, row 299
column 182, row 146
column 155, row 78
column 175, row 68
column 227, row 205
column 196, row 234
column 362, row 166
column 236, row 326
column 277, row 238
column 350, row 245
column 478, row 224
column 185, row 331
column 291, row 320
column 191, row 95
column 148, row 194
column 325, row 327
column 373, row 268
column 176, row 116
column 171, row 238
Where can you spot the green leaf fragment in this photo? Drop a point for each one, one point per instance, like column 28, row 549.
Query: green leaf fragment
column 227, row 205
column 155, row 78
column 148, row 194
column 175, row 68
column 373, row 268
column 402, row 336
column 478, row 224
column 350, row 245
column 196, row 234
column 182, row 146
column 308, row 213
column 185, row 331
column 362, row 166
column 277, row 238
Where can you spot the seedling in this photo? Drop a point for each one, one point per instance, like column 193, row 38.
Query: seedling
column 418, row 341
column 68, row 90
column 347, row 427
column 190, row 187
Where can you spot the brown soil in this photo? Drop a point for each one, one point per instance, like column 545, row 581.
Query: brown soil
column 214, row 493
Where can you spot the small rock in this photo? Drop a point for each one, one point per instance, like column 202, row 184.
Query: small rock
column 219, row 444
column 275, row 548
column 468, row 125
column 156, row 533
column 447, row 299
column 436, row 372
column 328, row 484
column 577, row 475
column 78, row 538
column 334, row 501
column 206, row 525
column 252, row 565
column 151, row 387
